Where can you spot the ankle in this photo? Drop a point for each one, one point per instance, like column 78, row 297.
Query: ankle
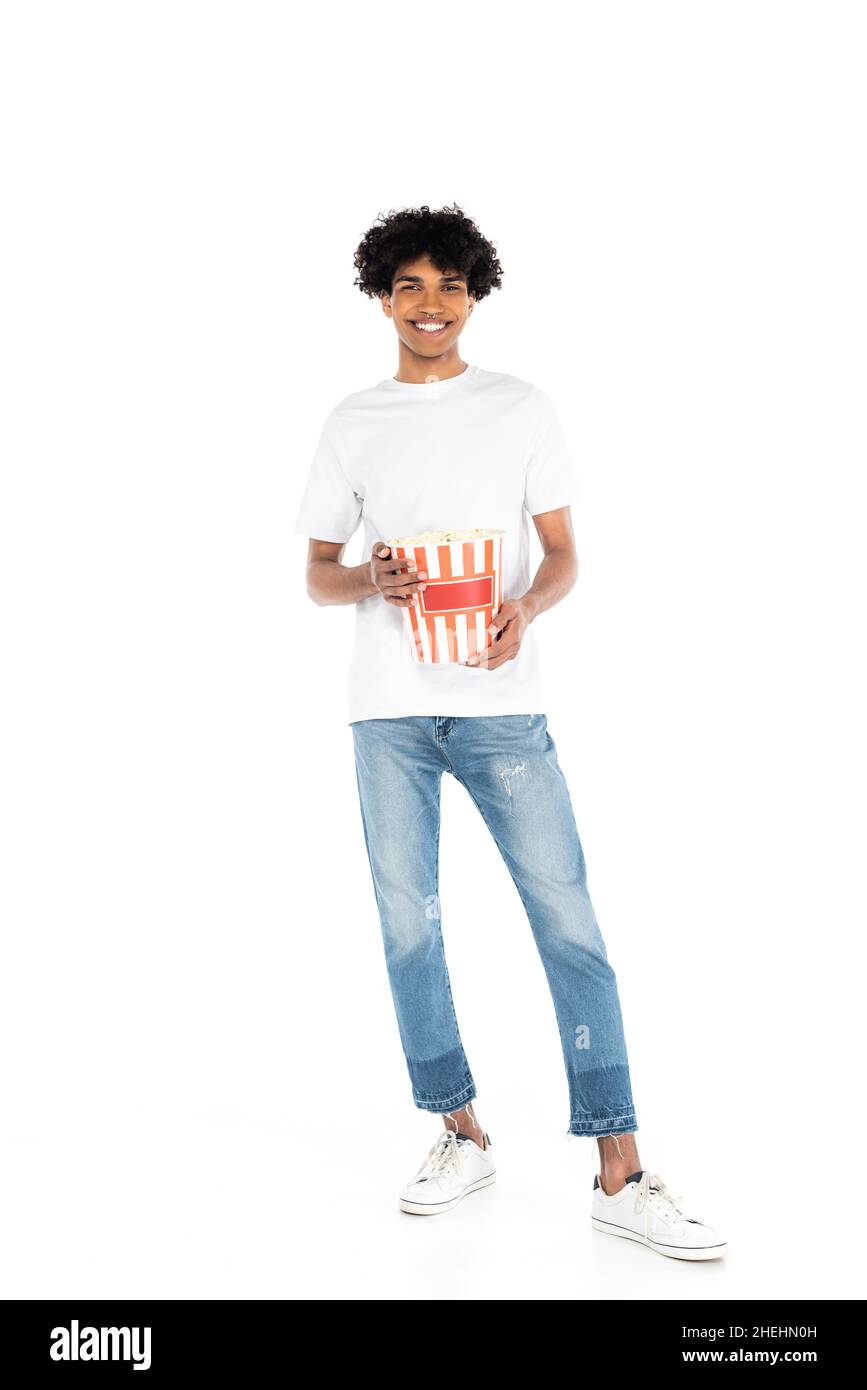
column 464, row 1122
column 618, row 1160
column 611, row 1183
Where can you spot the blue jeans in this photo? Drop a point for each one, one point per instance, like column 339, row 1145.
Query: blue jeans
column 508, row 764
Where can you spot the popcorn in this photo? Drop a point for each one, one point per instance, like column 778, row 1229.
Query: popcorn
column 446, row 537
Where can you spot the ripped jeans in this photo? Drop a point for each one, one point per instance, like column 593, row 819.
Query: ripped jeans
column 508, row 764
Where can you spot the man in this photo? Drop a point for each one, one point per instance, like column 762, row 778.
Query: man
column 447, row 445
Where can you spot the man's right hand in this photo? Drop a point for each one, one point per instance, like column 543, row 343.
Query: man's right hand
column 397, row 578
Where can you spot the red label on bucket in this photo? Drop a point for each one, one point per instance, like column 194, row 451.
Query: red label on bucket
column 456, row 595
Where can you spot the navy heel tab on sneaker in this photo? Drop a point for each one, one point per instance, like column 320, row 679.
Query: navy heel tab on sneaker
column 460, row 1135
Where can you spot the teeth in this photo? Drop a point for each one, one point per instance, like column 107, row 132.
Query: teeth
column 430, row 327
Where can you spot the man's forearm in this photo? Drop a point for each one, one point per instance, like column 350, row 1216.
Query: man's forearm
column 554, row 578
column 329, row 581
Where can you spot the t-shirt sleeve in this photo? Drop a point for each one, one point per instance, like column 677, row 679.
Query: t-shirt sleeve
column 550, row 479
column 330, row 508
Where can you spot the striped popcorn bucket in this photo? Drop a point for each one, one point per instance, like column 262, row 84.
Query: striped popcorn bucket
column 447, row 621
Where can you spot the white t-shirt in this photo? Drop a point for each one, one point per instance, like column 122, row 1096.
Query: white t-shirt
column 481, row 449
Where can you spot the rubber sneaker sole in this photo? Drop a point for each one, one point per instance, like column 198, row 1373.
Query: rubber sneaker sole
column 434, row 1208
column 677, row 1252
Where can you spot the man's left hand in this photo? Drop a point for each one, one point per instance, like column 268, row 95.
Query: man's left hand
column 508, row 627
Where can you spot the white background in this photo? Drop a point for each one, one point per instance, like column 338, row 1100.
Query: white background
column 204, row 1093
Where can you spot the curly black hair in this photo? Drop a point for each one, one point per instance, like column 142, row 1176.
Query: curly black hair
column 452, row 241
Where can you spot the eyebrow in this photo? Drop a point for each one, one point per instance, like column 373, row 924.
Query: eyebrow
column 417, row 279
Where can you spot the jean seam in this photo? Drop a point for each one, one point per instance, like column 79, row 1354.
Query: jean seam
column 468, row 1090
column 440, row 1107
column 624, row 1117
column 626, row 1113
column 627, row 1124
column 469, row 1083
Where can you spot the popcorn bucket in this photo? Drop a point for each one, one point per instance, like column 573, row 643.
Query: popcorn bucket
column 447, row 621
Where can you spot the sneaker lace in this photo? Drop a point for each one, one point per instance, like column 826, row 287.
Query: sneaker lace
column 443, row 1157
column 652, row 1184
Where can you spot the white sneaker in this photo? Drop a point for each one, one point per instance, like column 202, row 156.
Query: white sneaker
column 455, row 1165
column 645, row 1210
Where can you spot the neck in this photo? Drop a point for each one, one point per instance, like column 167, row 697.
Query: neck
column 415, row 368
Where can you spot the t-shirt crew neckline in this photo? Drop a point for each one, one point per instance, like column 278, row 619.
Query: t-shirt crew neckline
column 432, row 388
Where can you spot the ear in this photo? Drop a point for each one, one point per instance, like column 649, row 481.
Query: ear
column 385, row 300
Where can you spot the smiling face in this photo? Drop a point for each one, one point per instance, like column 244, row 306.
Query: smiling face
column 429, row 307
